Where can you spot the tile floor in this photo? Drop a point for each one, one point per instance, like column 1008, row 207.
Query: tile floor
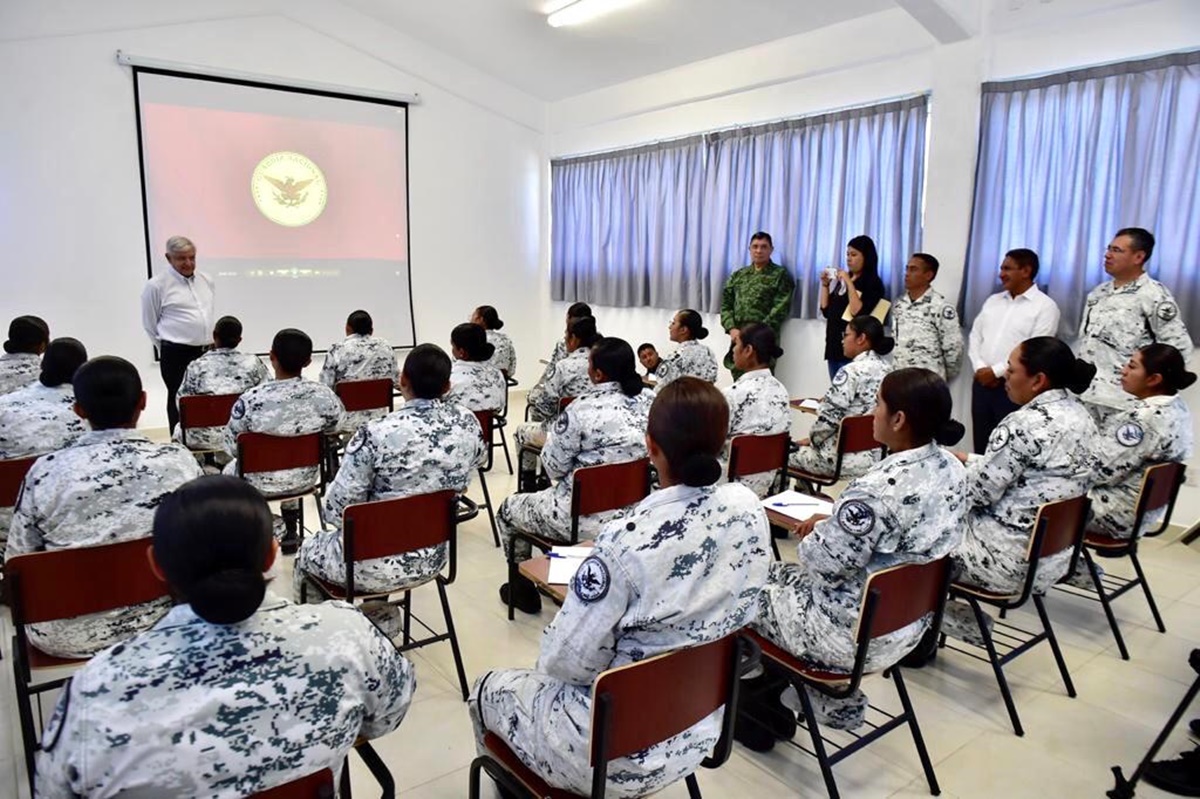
column 1068, row 748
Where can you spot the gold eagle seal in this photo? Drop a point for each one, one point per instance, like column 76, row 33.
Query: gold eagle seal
column 289, row 189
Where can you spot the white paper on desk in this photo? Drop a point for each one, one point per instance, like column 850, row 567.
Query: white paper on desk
column 797, row 506
column 562, row 570
column 810, row 404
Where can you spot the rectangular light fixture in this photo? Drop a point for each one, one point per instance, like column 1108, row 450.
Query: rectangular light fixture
column 577, row 12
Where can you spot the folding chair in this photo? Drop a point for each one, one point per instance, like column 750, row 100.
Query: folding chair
column 1159, row 490
column 502, row 422
column 533, row 451
column 1059, row 526
column 893, row 598
column 318, row 785
column 633, row 708
column 855, row 434
column 487, row 422
column 210, row 410
column 12, row 475
column 386, row 527
column 263, row 452
column 63, row 584
column 594, row 489
column 359, row 395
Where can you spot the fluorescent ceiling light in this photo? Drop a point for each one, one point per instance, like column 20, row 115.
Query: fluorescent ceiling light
column 576, row 12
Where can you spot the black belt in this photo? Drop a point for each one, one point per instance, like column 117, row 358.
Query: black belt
column 169, row 344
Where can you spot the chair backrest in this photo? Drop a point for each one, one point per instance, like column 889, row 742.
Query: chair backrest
column 857, row 434
column 395, row 526
column 487, row 421
column 211, row 410
column 318, row 785
column 263, row 452
column 366, row 395
column 12, row 473
column 609, row 486
column 1061, row 525
column 757, row 454
column 1160, row 488
column 564, row 402
column 62, row 583
column 902, row 595
column 644, row 703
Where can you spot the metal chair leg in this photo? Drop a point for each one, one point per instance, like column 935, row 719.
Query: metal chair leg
column 1137, row 567
column 25, row 712
column 407, row 605
column 814, row 731
column 915, row 729
column 487, row 501
column 693, row 787
column 458, row 661
column 513, row 574
column 1040, row 603
column 1106, row 603
column 996, row 667
column 504, row 449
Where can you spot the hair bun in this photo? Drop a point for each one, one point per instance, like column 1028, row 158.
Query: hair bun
column 229, row 596
column 1082, row 373
column 702, row 332
column 1184, row 380
column 700, row 470
column 487, row 351
column 950, row 433
column 885, row 345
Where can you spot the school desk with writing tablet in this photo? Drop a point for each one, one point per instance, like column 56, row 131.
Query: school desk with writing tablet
column 552, row 573
column 786, row 509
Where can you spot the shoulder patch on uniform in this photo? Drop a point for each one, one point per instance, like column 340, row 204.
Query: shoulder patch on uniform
column 357, row 441
column 591, row 581
column 998, row 439
column 1130, row 434
column 562, row 423
column 948, row 312
column 1167, row 311
column 840, row 377
column 856, row 517
column 239, row 409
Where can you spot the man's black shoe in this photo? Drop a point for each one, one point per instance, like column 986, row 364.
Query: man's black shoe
column 924, row 654
column 1180, row 776
column 526, row 599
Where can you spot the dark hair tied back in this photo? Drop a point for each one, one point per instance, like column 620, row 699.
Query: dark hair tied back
column 688, row 422
column 472, row 339
column 1165, row 360
column 694, row 323
column 872, row 328
column 924, row 399
column 614, row 357
column 761, row 339
column 584, row 329
column 1049, row 356
column 491, row 319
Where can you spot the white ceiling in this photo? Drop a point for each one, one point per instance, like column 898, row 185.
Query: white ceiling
column 510, row 40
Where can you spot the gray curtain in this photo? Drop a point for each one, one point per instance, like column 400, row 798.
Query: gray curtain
column 1066, row 160
column 665, row 225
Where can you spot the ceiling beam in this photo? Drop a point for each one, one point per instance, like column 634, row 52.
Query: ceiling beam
column 948, row 21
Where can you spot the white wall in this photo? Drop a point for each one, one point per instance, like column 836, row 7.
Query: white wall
column 871, row 59
column 71, row 234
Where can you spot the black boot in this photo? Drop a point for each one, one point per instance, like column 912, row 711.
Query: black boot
column 290, row 542
column 924, row 653
column 525, row 598
column 1180, row 776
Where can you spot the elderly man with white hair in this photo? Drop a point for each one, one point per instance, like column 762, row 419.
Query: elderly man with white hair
column 177, row 313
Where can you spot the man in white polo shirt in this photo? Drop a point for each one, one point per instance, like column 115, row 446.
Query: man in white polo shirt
column 177, row 313
column 1019, row 312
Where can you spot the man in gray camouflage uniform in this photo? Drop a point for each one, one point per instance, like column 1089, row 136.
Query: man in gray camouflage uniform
column 926, row 325
column 360, row 356
column 425, row 446
column 101, row 489
column 1123, row 315
column 289, row 405
column 221, row 370
column 41, row 416
column 22, row 358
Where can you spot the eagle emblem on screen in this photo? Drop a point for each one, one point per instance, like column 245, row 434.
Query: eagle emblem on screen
column 289, row 189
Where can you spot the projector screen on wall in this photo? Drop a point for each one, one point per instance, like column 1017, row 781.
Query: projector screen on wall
column 297, row 202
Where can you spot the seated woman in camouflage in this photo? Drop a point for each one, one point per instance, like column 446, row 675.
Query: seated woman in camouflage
column 27, row 339
column 908, row 508
column 758, row 403
column 691, row 358
column 1157, row 429
column 577, row 310
column 607, row 424
column 233, row 692
column 505, row 356
column 683, row 568
column 852, row 394
column 474, row 383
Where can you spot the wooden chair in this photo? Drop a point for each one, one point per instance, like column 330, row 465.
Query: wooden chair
column 633, row 708
column 1059, row 527
column 390, row 527
column 318, row 785
column 855, row 434
column 12, row 474
column 359, row 395
column 893, row 598
column 594, row 489
column 502, row 422
column 487, row 422
column 63, row 584
column 757, row 454
column 263, row 452
column 211, row 410
column 1159, row 490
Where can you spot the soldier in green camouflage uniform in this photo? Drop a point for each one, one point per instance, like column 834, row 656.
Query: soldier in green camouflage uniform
column 760, row 292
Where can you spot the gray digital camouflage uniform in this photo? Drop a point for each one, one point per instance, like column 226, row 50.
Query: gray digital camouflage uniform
column 758, row 406
column 1041, row 452
column 102, row 488
column 477, row 386
column 18, row 369
column 602, row 426
column 569, row 379
column 1118, row 321
column 853, row 393
column 691, row 359
column 1155, row 430
column 360, row 357
column 33, row 420
column 219, row 371
column 685, row 567
column 505, row 356
column 423, row 447
column 927, row 334
column 191, row 709
column 291, row 407
column 908, row 508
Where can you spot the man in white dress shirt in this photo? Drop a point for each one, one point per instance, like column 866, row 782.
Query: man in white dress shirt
column 1019, row 312
column 177, row 313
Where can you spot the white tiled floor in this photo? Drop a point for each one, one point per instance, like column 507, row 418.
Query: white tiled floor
column 1068, row 749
